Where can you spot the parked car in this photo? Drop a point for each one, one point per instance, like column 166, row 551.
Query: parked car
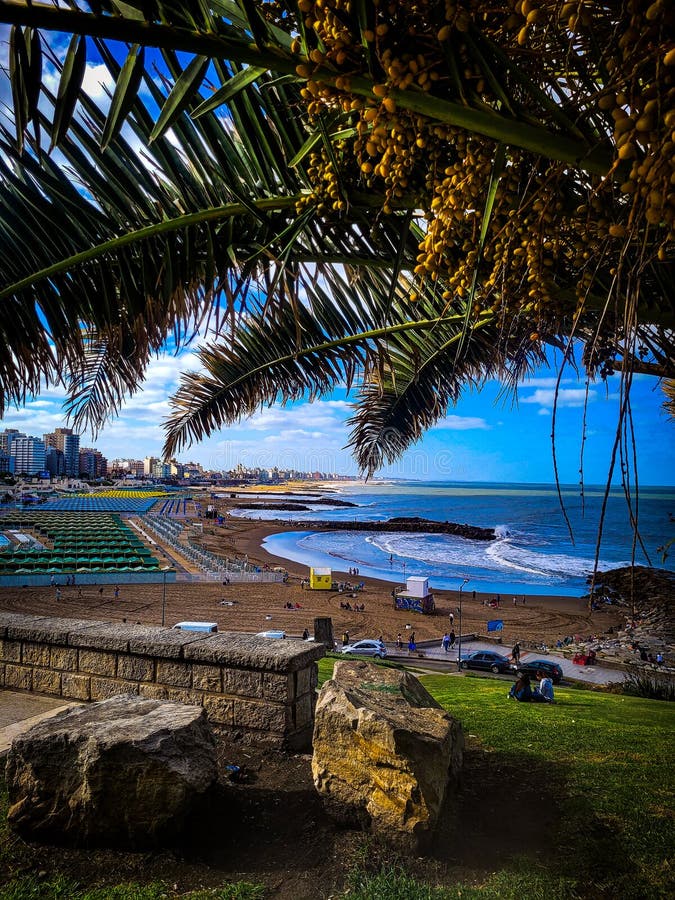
column 487, row 660
column 547, row 666
column 274, row 635
column 196, row 626
column 365, row 648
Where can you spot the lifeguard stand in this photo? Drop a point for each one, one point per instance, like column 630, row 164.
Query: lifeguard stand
column 320, row 579
column 415, row 596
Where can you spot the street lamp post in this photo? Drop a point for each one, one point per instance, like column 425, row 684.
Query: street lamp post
column 164, row 571
column 459, row 642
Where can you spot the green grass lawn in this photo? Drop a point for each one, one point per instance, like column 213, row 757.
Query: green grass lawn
column 607, row 762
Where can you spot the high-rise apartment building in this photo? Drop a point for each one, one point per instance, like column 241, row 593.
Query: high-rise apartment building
column 68, row 443
column 6, row 438
column 54, row 462
column 29, row 455
column 92, row 463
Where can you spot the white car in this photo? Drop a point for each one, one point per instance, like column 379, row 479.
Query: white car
column 274, row 635
column 366, row 648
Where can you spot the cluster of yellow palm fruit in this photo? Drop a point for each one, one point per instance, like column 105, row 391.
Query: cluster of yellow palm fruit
column 548, row 219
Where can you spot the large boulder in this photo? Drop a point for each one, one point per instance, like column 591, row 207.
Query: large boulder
column 385, row 752
column 125, row 772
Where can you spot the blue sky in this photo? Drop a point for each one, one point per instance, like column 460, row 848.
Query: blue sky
column 484, row 438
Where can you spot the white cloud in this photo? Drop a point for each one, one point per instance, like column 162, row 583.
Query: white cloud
column 326, row 415
column 566, row 397
column 97, row 80
column 292, row 435
column 548, row 382
column 463, row 423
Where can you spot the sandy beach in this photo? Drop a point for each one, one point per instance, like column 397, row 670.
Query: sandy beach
column 256, row 607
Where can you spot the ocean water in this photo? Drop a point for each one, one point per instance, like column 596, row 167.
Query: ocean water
column 533, row 552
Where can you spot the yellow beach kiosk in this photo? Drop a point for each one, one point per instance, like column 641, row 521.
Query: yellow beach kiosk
column 320, row 579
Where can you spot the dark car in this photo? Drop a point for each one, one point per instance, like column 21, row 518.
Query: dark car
column 487, row 660
column 532, row 666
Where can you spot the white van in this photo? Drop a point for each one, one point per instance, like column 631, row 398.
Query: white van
column 196, row 626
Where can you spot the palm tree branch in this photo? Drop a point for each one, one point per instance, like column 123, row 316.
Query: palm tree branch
column 490, row 123
column 228, row 210
column 179, row 425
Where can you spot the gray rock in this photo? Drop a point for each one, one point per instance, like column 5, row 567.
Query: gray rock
column 125, row 772
column 385, row 752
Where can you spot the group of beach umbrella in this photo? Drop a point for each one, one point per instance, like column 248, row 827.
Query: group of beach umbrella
column 86, row 544
column 100, row 504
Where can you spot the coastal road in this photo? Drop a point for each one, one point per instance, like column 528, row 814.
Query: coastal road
column 439, row 660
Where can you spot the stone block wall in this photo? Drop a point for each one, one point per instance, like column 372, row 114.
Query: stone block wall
column 260, row 689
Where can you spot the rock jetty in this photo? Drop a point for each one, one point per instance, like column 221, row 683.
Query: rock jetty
column 293, row 505
column 411, row 524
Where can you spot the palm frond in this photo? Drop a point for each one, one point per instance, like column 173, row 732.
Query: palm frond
column 329, row 216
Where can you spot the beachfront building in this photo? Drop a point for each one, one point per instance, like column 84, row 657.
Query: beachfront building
column 29, row 455
column 55, row 462
column 176, row 469
column 5, row 463
column 93, row 463
column 65, row 440
column 6, row 438
column 320, row 579
column 132, row 468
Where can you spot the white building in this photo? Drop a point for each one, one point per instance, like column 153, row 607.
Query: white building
column 29, row 455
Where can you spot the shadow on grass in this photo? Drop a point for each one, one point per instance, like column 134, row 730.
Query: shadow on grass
column 508, row 809
column 503, row 806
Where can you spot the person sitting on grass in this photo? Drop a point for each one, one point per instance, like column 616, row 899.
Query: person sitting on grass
column 521, row 690
column 544, row 692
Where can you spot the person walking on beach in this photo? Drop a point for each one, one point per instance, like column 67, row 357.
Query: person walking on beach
column 452, row 619
column 58, row 594
column 117, row 592
column 399, row 641
column 445, row 642
column 515, row 653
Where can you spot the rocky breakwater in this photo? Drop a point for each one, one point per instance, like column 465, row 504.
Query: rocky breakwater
column 411, row 524
column 385, row 752
column 293, row 505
